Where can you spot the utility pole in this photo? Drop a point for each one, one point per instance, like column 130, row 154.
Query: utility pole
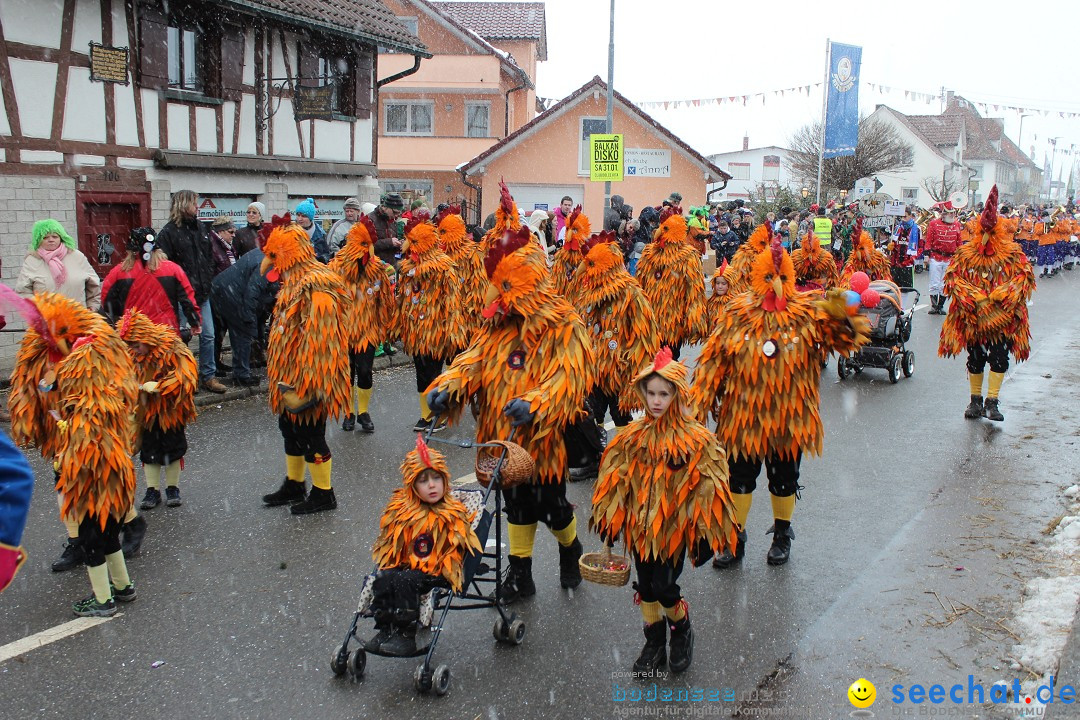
column 610, row 99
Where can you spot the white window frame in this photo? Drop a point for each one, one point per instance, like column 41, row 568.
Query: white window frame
column 186, row 48
column 739, row 170
column 583, row 144
column 910, row 195
column 430, row 104
column 773, row 170
column 477, row 103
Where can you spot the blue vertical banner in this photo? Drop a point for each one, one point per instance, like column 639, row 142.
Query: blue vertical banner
column 842, row 110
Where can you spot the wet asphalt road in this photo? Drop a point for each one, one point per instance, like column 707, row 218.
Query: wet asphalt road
column 910, row 508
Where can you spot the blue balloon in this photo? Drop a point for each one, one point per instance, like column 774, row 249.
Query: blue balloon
column 852, row 297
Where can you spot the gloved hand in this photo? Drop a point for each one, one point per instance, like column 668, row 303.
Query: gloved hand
column 150, row 386
column 438, row 401
column 701, row 553
column 518, row 411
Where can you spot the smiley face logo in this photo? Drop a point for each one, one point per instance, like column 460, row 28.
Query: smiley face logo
column 862, row 693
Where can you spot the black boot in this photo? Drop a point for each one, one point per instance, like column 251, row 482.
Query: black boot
column 133, row 534
column 726, row 559
column 518, row 582
column 990, row 410
column 942, row 299
column 366, row 425
column 974, row 408
column 569, row 570
column 384, row 627
column 318, row 500
column 782, row 535
column 72, row 557
column 289, row 492
column 933, row 305
column 681, row 649
column 349, row 423
column 654, row 654
column 402, row 643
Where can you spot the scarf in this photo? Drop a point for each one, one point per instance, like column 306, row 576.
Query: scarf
column 55, row 260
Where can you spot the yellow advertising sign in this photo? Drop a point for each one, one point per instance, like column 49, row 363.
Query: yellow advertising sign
column 606, row 157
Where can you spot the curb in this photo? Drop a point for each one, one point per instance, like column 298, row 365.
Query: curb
column 1067, row 674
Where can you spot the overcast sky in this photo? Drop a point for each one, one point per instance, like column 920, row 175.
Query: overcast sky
column 1017, row 54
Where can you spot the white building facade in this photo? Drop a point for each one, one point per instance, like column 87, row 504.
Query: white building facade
column 752, row 170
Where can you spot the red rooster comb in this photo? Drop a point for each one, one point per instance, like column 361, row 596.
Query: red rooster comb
column 573, row 216
column 989, row 216
column 281, row 220
column 777, row 253
column 857, row 232
column 422, row 451
column 447, row 212
column 723, row 267
column 597, row 239
column 505, row 198
column 125, row 323
column 419, row 217
column 29, row 312
column 511, row 241
column 369, row 225
column 662, row 359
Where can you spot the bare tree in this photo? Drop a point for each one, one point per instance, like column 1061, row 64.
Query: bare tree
column 941, row 188
column 880, row 150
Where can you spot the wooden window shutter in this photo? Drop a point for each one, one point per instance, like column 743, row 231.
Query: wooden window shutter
column 308, row 64
column 232, row 63
column 153, row 47
column 363, row 71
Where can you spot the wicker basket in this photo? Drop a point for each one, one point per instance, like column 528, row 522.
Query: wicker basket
column 603, row 568
column 517, row 468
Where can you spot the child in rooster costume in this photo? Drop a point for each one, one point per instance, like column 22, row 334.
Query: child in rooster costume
column 814, row 267
column 671, row 278
column 865, row 258
column 663, row 488
column 568, row 257
column 369, row 315
column 989, row 280
column 530, row 368
column 167, row 375
column 73, row 393
column 468, row 263
column 429, row 319
column 620, row 323
column 759, row 374
column 721, row 293
column 307, row 364
column 424, row 536
column 742, row 263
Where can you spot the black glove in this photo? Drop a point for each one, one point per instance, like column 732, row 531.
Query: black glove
column 701, row 553
column 518, row 411
column 438, row 401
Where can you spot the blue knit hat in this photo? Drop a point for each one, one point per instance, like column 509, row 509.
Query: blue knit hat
column 306, row 208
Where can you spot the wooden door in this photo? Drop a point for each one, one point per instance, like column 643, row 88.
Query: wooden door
column 105, row 222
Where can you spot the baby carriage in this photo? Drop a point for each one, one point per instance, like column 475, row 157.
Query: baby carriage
column 500, row 464
column 890, row 328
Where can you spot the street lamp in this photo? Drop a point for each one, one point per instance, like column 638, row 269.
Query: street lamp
column 805, row 194
column 843, row 194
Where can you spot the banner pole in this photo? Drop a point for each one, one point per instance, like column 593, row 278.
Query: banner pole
column 610, row 100
column 824, row 112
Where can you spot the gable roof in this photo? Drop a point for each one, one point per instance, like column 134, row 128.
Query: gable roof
column 986, row 136
column 916, row 130
column 365, row 20
column 567, row 104
column 939, row 129
column 503, row 20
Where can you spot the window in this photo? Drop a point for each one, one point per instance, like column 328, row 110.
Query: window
column 909, row 195
column 185, row 48
column 477, row 115
column 411, row 24
column 408, row 189
column 409, row 117
column 739, row 171
column 333, row 71
column 589, row 126
column 976, row 170
column 770, row 168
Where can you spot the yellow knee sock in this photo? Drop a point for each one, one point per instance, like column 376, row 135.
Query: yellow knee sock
column 783, row 507
column 521, row 539
column 568, row 534
column 356, row 399
column 677, row 613
column 99, row 580
column 742, row 502
column 320, row 472
column 153, row 476
column 71, row 526
column 172, row 474
column 294, row 467
column 993, row 387
column 650, row 612
column 117, row 570
column 425, row 411
column 976, row 382
column 132, row 513
column 363, row 400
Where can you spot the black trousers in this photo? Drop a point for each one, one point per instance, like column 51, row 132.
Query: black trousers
column 427, row 369
column 304, row 439
column 162, row 447
column 783, row 474
column 527, row 504
column 602, row 402
column 658, row 581
column 996, row 353
column 402, row 588
column 360, row 365
column 97, row 543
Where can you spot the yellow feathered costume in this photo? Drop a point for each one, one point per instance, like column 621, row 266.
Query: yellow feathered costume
column 617, row 315
column 663, row 481
column 865, row 258
column 73, row 364
column 468, row 260
column 431, row 538
column 671, row 277
column 169, row 364
column 370, row 311
column 568, row 257
column 813, row 265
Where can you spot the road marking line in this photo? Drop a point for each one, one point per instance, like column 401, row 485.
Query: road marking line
column 32, row 642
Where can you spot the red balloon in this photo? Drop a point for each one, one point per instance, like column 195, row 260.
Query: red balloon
column 870, row 298
column 860, row 281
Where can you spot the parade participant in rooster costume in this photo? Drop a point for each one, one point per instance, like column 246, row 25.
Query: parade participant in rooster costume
column 759, row 374
column 742, row 263
column 814, row 267
column 568, row 257
column 424, row 535
column 73, row 393
column 530, row 367
column 941, row 240
column 507, row 220
column 990, row 281
column 429, row 320
column 671, row 278
column 865, row 258
column 307, row 364
column 168, row 376
column 721, row 293
column 369, row 315
column 620, row 323
column 663, row 490
column 468, row 260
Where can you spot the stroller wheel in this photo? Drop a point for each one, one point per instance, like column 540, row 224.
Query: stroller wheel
column 843, row 368
column 441, row 680
column 517, row 632
column 338, row 660
column 357, row 662
column 422, row 678
column 909, row 363
column 895, row 368
column 501, row 631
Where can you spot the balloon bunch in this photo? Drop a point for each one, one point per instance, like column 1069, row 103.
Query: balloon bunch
column 860, row 287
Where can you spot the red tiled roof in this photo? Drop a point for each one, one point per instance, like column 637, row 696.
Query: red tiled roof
column 502, row 20
column 362, row 19
column 916, row 130
column 939, row 129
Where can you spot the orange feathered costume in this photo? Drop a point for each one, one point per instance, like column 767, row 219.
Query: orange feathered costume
column 507, row 220
column 170, row 364
column 568, row 257
column 430, row 537
column 670, row 274
column 813, row 265
column 742, row 262
column 714, row 306
column 865, row 258
column 468, row 260
column 370, row 311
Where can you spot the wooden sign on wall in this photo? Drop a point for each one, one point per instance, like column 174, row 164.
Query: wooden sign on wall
column 108, row 64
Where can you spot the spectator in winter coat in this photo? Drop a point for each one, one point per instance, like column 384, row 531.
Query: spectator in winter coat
column 387, row 243
column 725, row 242
column 305, row 217
column 54, row 264
column 648, row 221
column 222, row 233
column 239, row 295
column 618, row 213
column 338, row 231
column 247, row 237
column 566, row 206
